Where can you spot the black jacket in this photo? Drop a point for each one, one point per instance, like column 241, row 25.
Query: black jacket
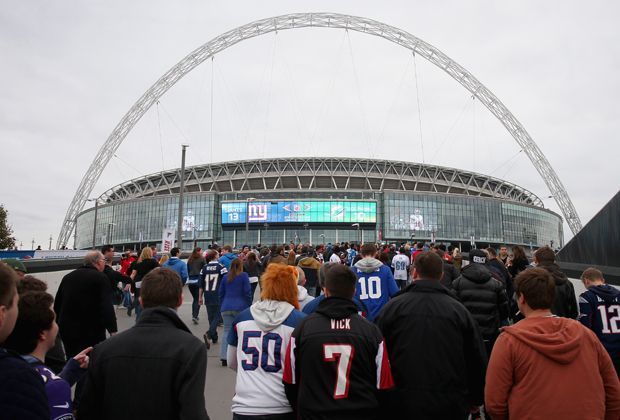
column 565, row 302
column 154, row 370
column 22, row 393
column 84, row 309
column 449, row 274
column 436, row 352
column 484, row 297
column 329, row 333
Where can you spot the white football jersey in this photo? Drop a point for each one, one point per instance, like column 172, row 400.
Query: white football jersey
column 400, row 264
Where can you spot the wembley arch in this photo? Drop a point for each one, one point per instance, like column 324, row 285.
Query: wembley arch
column 318, row 20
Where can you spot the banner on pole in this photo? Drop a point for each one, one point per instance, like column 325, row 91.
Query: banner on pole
column 167, row 241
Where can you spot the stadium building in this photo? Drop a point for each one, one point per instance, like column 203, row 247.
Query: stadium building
column 320, row 200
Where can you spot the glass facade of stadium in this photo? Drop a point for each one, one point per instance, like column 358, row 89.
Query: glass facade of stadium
column 320, row 215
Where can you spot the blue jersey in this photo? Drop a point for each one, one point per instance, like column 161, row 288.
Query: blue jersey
column 210, row 280
column 314, row 304
column 375, row 288
column 599, row 309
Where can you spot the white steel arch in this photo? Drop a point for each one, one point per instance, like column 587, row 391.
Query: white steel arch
column 320, row 20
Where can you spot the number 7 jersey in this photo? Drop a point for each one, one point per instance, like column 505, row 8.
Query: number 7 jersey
column 336, row 364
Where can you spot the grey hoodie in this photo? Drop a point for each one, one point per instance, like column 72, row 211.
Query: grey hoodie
column 270, row 314
column 368, row 264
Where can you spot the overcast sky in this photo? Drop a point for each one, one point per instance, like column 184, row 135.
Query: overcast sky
column 71, row 70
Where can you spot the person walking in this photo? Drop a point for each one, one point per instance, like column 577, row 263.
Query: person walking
column 546, row 366
column 175, row 263
column 235, row 295
column 167, row 363
column 253, row 267
column 436, row 352
column 565, row 303
column 599, row 308
column 342, row 356
column 263, row 331
column 211, row 277
column 375, row 282
column 144, row 264
column 22, row 392
column 195, row 262
column 400, row 267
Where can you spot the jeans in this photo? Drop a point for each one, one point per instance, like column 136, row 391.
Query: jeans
column 228, row 317
column 136, row 303
column 284, row 416
column 193, row 289
column 213, row 313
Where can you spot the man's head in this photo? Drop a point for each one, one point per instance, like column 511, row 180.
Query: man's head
column 401, row 250
column 368, row 250
column 544, row 256
column 95, row 259
column 245, row 249
column 161, row 287
column 226, row 249
column 174, row 252
column 427, row 266
column 477, row 256
column 153, row 250
column 301, row 276
column 491, row 253
column 592, row 277
column 535, row 290
column 8, row 300
column 340, row 281
column 419, row 245
column 503, row 251
column 36, row 324
column 31, row 284
column 17, row 265
column 108, row 252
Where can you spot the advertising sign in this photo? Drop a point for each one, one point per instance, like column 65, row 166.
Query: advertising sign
column 167, row 241
column 299, row 211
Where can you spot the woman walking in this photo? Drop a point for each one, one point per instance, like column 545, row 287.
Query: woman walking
column 254, row 270
column 235, row 296
column 143, row 266
column 194, row 265
column 264, row 331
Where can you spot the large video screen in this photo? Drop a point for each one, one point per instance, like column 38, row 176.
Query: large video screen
column 299, row 211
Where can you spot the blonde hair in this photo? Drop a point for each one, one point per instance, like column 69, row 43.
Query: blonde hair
column 164, row 259
column 146, row 254
column 279, row 282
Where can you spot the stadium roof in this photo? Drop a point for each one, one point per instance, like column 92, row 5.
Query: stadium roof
column 321, row 173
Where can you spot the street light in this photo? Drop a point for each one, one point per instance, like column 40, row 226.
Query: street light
column 95, row 223
column 247, row 218
column 357, row 225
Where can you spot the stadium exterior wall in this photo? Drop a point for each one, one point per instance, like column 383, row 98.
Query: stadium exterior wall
column 427, row 211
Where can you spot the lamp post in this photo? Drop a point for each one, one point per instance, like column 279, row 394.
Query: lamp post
column 109, row 234
column 247, row 218
column 322, row 236
column 357, row 225
column 95, row 222
column 181, row 188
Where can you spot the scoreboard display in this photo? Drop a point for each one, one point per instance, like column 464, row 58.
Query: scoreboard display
column 236, row 212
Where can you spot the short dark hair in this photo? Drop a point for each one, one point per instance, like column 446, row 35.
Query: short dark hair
column 537, row 288
column 340, row 281
column 323, row 272
column 428, row 265
column 107, row 248
column 227, row 248
column 545, row 255
column 35, row 316
column 491, row 251
column 31, row 284
column 590, row 273
column 368, row 249
column 419, row 245
column 174, row 251
column 161, row 287
column 8, row 284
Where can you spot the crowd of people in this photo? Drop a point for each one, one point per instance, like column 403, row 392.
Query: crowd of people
column 329, row 332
